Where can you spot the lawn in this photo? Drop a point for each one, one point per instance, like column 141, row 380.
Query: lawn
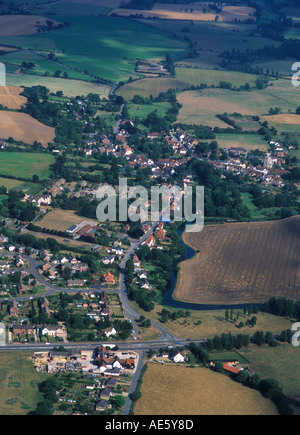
column 19, row 384
column 179, row 390
column 25, row 165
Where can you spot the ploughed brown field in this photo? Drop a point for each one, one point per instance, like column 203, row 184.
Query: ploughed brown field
column 240, row 263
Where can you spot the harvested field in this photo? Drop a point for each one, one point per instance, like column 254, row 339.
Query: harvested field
column 242, row 263
column 163, row 388
column 291, row 119
column 10, row 97
column 22, row 127
column 17, row 25
column 191, row 12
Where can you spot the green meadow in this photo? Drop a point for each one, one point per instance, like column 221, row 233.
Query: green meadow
column 25, row 165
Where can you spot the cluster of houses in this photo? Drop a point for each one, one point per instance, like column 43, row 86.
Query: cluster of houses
column 103, row 369
column 95, row 308
column 269, row 171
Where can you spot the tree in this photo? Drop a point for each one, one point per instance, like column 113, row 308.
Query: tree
column 298, row 110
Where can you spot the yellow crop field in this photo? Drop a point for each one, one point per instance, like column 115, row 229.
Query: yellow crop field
column 179, row 390
column 10, row 97
column 22, row 127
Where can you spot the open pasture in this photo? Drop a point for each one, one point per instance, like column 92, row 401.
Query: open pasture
column 250, row 263
column 22, row 127
column 108, row 50
column 163, row 387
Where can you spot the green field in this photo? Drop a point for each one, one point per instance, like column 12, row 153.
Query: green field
column 281, row 363
column 19, row 382
column 107, row 47
column 141, row 110
column 25, row 165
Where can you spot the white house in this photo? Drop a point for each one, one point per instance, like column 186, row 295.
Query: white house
column 53, row 331
column 110, row 331
column 176, row 357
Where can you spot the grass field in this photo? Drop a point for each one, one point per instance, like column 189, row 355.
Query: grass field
column 281, row 363
column 249, row 262
column 19, row 384
column 213, row 323
column 248, row 141
column 22, row 127
column 10, row 97
column 142, row 110
column 25, row 165
column 179, row 390
column 109, row 50
column 60, row 220
column 201, row 106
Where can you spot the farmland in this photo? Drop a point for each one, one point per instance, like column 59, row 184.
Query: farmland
column 16, row 25
column 249, row 263
column 10, row 97
column 196, row 13
column 25, row 165
column 22, row 127
column 207, row 391
column 108, row 51
column 185, row 78
column 201, row 106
